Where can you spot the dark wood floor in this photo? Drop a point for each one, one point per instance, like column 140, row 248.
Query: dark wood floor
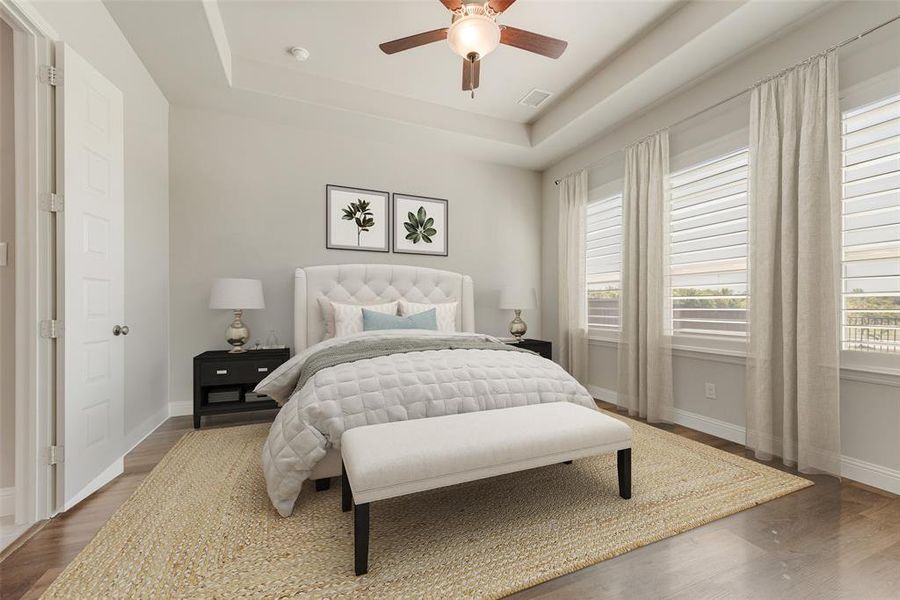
column 832, row 540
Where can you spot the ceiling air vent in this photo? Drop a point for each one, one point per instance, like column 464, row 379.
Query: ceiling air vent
column 535, row 98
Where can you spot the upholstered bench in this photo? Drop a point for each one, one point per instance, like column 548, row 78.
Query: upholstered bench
column 394, row 459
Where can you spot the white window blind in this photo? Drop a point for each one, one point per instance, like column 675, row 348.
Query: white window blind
column 709, row 246
column 871, row 227
column 604, row 262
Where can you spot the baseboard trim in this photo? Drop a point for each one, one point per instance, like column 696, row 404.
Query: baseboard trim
column 854, row 469
column 7, row 501
column 118, row 467
column 108, row 474
column 720, row 429
column 883, row 478
column 181, row 408
column 601, row 393
column 149, row 426
column 877, row 476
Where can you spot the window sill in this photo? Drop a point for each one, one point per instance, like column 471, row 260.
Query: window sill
column 881, row 369
column 706, row 344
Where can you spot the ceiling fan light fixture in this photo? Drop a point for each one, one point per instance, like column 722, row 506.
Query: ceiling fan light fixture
column 477, row 34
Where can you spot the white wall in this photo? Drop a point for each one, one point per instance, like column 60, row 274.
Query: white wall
column 870, row 406
column 248, row 200
column 88, row 28
column 870, row 403
column 7, row 273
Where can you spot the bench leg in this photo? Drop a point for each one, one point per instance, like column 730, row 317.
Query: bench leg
column 346, row 494
column 623, row 461
column 323, row 484
column 361, row 538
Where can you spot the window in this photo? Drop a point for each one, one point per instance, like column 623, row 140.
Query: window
column 604, row 262
column 709, row 247
column 871, row 227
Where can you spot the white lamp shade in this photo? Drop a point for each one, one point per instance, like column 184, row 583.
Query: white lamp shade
column 237, row 294
column 516, row 298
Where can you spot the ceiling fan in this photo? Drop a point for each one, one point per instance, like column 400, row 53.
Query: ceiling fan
column 474, row 33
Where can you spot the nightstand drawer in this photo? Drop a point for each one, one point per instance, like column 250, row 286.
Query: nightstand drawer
column 224, row 381
column 213, row 373
column 244, row 371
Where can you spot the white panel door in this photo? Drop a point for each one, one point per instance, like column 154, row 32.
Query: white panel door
column 90, row 175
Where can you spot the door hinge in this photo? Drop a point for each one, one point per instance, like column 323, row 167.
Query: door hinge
column 51, row 75
column 56, row 455
column 51, row 328
column 53, row 202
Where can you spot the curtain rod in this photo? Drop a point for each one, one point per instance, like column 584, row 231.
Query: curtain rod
column 742, row 92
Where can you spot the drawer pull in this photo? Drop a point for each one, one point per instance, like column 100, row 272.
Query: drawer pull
column 263, row 369
column 221, row 371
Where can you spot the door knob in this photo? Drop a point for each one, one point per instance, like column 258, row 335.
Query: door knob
column 120, row 329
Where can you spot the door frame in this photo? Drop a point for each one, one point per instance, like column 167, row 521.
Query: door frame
column 35, row 261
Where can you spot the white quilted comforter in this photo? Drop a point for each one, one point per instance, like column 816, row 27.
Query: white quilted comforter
column 396, row 387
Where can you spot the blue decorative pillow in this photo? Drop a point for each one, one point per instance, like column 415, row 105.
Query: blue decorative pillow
column 375, row 320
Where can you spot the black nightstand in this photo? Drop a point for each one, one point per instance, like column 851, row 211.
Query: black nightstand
column 224, row 382
column 542, row 347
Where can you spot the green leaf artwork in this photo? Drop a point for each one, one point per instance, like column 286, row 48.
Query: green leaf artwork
column 419, row 226
column 360, row 213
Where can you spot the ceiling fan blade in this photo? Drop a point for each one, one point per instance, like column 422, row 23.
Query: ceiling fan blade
column 500, row 5
column 414, row 41
column 532, row 42
column 453, row 4
column 471, row 75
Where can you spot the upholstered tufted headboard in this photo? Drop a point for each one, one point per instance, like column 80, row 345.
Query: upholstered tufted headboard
column 369, row 283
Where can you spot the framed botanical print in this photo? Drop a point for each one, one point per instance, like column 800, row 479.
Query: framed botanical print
column 356, row 219
column 420, row 225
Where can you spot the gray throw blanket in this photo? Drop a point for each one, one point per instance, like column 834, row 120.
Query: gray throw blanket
column 364, row 349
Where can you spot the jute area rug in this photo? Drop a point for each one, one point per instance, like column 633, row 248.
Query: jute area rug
column 201, row 525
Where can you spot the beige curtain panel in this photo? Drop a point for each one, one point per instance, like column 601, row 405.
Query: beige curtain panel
column 793, row 375
column 573, row 324
column 645, row 348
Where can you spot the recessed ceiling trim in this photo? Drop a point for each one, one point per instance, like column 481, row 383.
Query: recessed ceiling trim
column 186, row 61
column 219, row 35
column 265, row 78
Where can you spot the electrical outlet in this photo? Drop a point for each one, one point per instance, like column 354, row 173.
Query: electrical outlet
column 710, row 391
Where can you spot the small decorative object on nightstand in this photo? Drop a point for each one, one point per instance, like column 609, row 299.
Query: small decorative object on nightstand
column 542, row 347
column 517, row 299
column 224, row 381
column 237, row 295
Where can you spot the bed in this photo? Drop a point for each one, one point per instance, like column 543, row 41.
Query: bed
column 405, row 374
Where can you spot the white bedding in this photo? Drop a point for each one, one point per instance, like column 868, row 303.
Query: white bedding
column 396, row 387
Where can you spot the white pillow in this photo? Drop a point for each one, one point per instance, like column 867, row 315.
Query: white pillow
column 325, row 306
column 348, row 318
column 446, row 313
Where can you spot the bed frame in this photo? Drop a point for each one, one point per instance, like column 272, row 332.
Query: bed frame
column 365, row 284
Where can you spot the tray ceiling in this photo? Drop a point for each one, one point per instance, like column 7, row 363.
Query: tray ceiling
column 343, row 39
column 622, row 57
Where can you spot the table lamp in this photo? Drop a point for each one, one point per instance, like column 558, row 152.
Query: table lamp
column 237, row 295
column 518, row 299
